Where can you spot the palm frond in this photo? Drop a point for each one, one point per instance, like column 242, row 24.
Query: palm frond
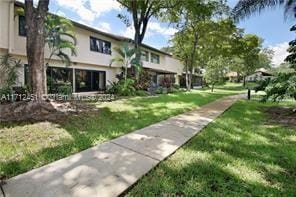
column 64, row 57
column 245, row 8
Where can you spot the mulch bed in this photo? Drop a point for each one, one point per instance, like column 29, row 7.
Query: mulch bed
column 281, row 115
column 32, row 111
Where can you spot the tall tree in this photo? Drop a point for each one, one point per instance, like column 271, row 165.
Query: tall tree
column 265, row 58
column 215, row 71
column 141, row 11
column 249, row 49
column 187, row 16
column 35, row 28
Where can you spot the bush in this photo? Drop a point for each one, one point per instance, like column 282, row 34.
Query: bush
column 5, row 94
column 141, row 93
column 122, row 88
column 166, row 82
column 5, row 91
column 172, row 90
column 65, row 89
column 158, row 90
column 176, row 86
column 144, row 81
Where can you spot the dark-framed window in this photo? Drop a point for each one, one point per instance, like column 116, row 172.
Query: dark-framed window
column 145, row 56
column 89, row 80
column 166, row 78
column 100, row 46
column 22, row 26
column 56, row 78
column 154, row 58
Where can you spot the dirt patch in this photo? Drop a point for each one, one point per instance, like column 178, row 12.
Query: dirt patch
column 281, row 115
column 43, row 110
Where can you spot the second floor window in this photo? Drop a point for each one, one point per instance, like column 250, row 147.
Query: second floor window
column 22, row 26
column 100, row 46
column 145, row 56
column 154, row 58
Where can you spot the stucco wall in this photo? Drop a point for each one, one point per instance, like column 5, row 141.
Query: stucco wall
column 85, row 59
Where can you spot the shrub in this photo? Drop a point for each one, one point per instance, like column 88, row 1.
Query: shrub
column 123, row 88
column 141, row 93
column 166, row 82
column 64, row 89
column 144, row 81
column 158, row 90
column 176, row 86
column 5, row 91
column 172, row 90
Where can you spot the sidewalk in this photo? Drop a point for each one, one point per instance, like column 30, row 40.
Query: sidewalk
column 110, row 168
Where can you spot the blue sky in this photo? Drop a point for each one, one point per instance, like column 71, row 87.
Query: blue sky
column 102, row 14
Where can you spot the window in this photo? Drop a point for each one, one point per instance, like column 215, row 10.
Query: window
column 89, row 80
column 165, row 79
column 22, row 26
column 145, row 56
column 101, row 46
column 154, row 58
column 56, row 77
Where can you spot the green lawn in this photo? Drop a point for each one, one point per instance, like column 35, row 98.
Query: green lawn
column 239, row 154
column 30, row 145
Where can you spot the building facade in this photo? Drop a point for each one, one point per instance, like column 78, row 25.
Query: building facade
column 90, row 70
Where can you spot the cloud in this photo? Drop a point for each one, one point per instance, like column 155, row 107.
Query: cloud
column 103, row 6
column 103, row 26
column 155, row 27
column 89, row 10
column 129, row 32
column 280, row 52
column 60, row 13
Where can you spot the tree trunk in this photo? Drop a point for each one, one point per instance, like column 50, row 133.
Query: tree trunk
column 244, row 81
column 187, row 77
column 190, row 78
column 193, row 54
column 212, row 89
column 35, row 27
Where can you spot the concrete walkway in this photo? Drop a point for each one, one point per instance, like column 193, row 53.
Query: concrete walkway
column 110, row 168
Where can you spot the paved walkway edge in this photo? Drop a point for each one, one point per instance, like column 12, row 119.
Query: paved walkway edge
column 111, row 168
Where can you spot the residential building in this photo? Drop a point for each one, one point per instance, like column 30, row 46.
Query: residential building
column 90, row 70
column 259, row 75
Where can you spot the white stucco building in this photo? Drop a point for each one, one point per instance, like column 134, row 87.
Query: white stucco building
column 90, row 70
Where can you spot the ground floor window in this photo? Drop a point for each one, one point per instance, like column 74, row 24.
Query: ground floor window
column 165, row 79
column 89, row 80
column 58, row 78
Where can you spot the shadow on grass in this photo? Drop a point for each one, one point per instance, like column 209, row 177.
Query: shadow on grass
column 236, row 155
column 89, row 129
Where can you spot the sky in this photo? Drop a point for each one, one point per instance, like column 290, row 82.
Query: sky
column 102, row 14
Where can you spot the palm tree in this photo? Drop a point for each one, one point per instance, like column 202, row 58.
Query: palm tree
column 59, row 37
column 126, row 56
column 245, row 8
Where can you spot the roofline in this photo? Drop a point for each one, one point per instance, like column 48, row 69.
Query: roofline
column 113, row 36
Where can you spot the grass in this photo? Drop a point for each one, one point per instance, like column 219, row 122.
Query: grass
column 29, row 145
column 239, row 154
